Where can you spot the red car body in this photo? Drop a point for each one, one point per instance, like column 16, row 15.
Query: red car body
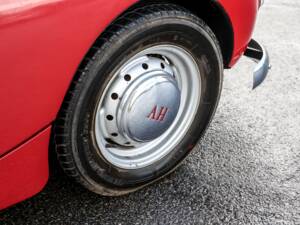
column 42, row 43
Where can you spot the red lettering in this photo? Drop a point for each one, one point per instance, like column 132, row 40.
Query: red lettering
column 162, row 114
column 158, row 116
column 152, row 115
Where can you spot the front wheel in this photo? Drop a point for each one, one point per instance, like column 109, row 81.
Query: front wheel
column 140, row 101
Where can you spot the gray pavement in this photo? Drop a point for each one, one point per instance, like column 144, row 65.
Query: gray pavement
column 246, row 170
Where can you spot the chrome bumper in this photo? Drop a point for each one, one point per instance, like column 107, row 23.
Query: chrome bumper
column 260, row 55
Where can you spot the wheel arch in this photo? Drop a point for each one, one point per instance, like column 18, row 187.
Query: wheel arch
column 217, row 19
column 210, row 11
column 215, row 16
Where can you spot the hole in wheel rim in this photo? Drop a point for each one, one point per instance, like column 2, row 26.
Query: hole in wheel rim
column 145, row 66
column 114, row 96
column 127, row 77
column 109, row 117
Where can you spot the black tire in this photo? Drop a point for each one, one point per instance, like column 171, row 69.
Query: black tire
column 133, row 31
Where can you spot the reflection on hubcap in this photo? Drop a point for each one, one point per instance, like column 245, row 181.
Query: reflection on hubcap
column 150, row 104
column 147, row 107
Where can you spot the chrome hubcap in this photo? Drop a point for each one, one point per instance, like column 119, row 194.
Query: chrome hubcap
column 151, row 102
column 145, row 106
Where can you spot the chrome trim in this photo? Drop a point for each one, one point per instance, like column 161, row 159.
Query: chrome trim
column 259, row 54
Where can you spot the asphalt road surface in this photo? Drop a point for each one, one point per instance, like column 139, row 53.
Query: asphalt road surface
column 246, row 170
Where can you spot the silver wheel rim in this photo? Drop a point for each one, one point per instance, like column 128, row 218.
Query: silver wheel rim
column 122, row 138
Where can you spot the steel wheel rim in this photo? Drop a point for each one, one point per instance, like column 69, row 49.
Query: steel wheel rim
column 133, row 154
